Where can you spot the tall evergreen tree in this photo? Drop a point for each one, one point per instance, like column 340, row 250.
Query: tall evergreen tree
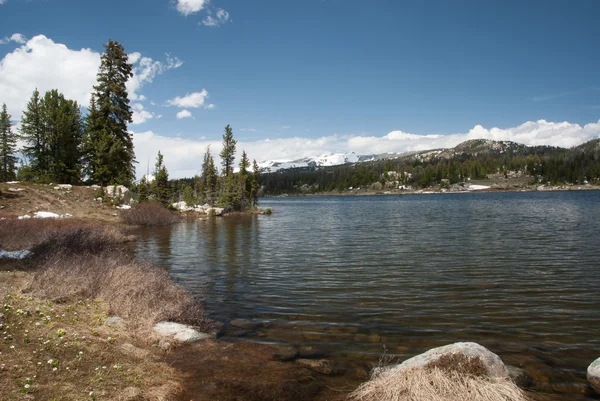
column 244, row 184
column 63, row 133
column 160, row 185
column 207, row 184
column 228, row 152
column 8, row 147
column 254, row 186
column 112, row 158
column 33, row 133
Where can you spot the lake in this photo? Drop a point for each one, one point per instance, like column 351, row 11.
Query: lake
column 355, row 277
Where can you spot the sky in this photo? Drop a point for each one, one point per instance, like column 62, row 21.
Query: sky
column 311, row 77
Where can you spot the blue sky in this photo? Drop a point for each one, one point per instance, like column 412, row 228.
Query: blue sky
column 314, row 71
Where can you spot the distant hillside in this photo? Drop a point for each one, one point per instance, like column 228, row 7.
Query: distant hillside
column 477, row 159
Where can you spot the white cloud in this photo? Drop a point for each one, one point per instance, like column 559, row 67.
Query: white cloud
column 1, row 2
column 140, row 114
column 194, row 100
column 182, row 155
column 248, row 130
column 145, row 70
column 184, row 114
column 221, row 17
column 285, row 127
column 43, row 64
column 15, row 37
column 187, row 7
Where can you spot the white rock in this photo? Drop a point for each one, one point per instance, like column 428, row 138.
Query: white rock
column 114, row 321
column 180, row 332
column 95, row 186
column 124, row 207
column 13, row 182
column 593, row 375
column 118, row 190
column 64, row 186
column 15, row 189
column 493, row 363
column 182, row 206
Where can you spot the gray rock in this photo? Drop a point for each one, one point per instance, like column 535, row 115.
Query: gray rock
column 593, row 375
column 285, row 353
column 318, row 365
column 493, row 363
column 114, row 321
column 519, row 376
column 180, row 332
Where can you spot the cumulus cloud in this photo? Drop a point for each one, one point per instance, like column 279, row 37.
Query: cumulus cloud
column 221, row 17
column 15, row 37
column 145, row 70
column 193, row 100
column 184, row 114
column 182, row 155
column 187, row 7
column 140, row 114
column 43, row 64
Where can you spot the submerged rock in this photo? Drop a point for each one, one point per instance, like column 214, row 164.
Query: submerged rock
column 593, row 375
column 519, row 376
column 180, row 332
column 493, row 364
column 15, row 254
column 323, row 366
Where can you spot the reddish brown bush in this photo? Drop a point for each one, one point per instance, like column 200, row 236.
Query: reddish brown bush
column 148, row 214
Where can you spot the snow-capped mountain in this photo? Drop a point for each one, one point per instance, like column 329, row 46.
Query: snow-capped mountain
column 331, row 159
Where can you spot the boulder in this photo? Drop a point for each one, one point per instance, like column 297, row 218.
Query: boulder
column 593, row 375
column 181, row 206
column 117, row 191
column 323, row 366
column 217, row 211
column 492, row 362
column 180, row 332
column 519, row 376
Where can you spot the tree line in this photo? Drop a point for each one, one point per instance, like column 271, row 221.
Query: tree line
column 235, row 191
column 541, row 164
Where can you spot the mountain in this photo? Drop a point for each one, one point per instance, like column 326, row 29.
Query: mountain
column 473, row 147
column 331, row 159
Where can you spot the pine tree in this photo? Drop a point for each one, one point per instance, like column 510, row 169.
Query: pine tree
column 8, row 146
column 207, row 184
column 228, row 152
column 63, row 132
column 34, row 135
column 254, row 186
column 109, row 142
column 142, row 190
column 160, row 185
column 244, row 184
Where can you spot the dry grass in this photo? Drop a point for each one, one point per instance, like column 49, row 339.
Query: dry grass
column 25, row 234
column 138, row 292
column 148, row 214
column 434, row 384
column 64, row 352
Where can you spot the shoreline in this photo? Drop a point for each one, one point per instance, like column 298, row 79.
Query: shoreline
column 437, row 190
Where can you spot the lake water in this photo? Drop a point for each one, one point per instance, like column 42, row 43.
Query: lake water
column 515, row 272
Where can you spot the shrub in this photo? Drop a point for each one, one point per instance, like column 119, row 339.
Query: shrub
column 148, row 214
column 268, row 211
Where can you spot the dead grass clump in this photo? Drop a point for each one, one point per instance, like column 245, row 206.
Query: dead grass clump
column 434, row 384
column 148, row 214
column 25, row 234
column 78, row 241
column 459, row 363
column 139, row 292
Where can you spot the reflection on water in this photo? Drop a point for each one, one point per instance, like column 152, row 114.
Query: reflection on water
column 516, row 272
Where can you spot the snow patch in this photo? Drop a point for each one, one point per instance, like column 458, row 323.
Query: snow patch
column 45, row 215
column 474, row 187
column 14, row 255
